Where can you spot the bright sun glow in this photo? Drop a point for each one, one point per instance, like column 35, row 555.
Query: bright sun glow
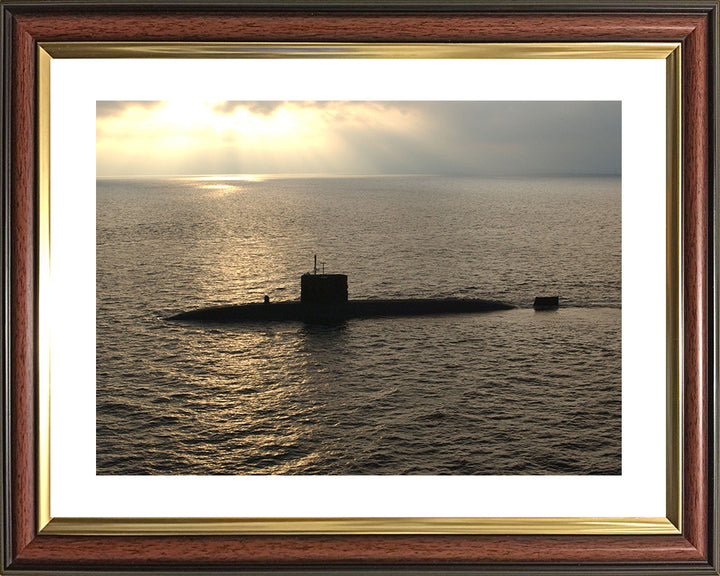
column 285, row 122
column 191, row 137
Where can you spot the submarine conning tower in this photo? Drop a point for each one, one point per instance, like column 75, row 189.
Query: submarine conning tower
column 323, row 288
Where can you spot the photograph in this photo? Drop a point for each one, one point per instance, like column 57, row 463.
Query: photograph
column 358, row 288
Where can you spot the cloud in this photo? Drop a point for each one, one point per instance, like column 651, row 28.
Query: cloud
column 461, row 138
column 265, row 108
column 109, row 109
column 526, row 138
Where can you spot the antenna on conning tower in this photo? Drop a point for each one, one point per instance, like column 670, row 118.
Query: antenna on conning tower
column 315, row 266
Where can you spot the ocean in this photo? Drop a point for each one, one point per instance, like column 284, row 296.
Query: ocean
column 509, row 392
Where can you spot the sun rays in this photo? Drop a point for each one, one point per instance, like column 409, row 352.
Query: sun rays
column 239, row 136
column 183, row 137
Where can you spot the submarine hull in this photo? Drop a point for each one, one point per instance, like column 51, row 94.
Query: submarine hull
column 336, row 312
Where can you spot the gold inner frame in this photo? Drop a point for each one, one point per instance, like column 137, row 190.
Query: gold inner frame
column 670, row 524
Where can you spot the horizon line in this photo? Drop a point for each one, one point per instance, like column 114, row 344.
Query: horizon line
column 270, row 175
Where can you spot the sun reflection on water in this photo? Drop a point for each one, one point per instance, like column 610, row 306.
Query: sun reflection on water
column 231, row 178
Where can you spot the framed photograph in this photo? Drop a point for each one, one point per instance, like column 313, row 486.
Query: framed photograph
column 333, row 287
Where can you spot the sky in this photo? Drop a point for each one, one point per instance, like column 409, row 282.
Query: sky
column 358, row 138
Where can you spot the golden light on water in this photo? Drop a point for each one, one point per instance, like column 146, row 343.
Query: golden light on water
column 231, row 178
column 219, row 190
column 219, row 185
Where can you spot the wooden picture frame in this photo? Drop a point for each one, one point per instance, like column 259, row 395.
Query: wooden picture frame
column 28, row 547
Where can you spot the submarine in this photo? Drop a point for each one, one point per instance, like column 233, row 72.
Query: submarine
column 324, row 299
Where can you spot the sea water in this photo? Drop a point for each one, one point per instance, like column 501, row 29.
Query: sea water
column 513, row 392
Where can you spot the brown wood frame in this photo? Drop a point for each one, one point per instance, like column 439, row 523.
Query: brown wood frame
column 692, row 23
